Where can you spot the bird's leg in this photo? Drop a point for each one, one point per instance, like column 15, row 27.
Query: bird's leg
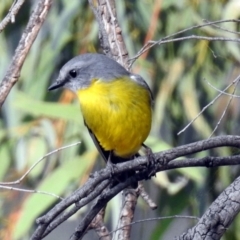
column 110, row 163
column 149, row 153
column 151, row 160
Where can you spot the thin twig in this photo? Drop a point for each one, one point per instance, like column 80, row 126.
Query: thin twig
column 11, row 14
column 157, row 219
column 36, row 163
column 33, row 27
column 209, row 104
column 221, row 28
column 220, row 91
column 198, row 37
column 30, row 191
column 151, row 44
column 145, row 196
column 225, row 110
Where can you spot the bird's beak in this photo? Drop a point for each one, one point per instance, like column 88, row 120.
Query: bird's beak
column 57, row 84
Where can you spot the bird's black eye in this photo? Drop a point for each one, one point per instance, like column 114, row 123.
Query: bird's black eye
column 73, row 73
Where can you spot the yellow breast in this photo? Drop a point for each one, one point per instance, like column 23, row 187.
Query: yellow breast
column 118, row 113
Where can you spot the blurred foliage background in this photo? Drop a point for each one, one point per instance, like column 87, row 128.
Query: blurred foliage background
column 34, row 122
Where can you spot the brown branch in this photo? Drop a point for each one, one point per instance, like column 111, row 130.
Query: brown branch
column 11, row 14
column 103, row 37
column 98, row 225
column 107, row 11
column 130, row 197
column 164, row 160
column 100, row 202
column 82, row 197
column 146, row 197
column 12, row 75
column 171, row 38
column 152, row 43
column 218, row 217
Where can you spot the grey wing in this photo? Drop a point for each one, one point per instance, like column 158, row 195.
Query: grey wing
column 137, row 78
column 104, row 154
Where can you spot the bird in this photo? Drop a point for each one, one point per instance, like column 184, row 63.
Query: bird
column 116, row 105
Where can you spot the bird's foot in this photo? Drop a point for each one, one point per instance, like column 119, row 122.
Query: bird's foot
column 110, row 164
column 152, row 163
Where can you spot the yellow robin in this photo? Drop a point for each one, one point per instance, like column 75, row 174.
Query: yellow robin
column 115, row 104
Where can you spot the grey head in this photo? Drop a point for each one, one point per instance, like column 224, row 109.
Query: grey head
column 79, row 72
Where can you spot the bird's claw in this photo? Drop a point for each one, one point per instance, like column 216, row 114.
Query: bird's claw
column 151, row 163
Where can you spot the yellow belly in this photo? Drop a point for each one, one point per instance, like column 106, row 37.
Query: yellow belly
column 118, row 113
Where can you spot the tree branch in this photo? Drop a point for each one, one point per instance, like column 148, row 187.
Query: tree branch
column 11, row 14
column 12, row 75
column 110, row 32
column 98, row 225
column 100, row 202
column 129, row 202
column 81, row 197
column 218, row 217
column 171, row 37
column 96, row 185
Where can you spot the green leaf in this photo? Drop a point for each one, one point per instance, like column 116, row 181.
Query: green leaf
column 52, row 110
column 195, row 173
